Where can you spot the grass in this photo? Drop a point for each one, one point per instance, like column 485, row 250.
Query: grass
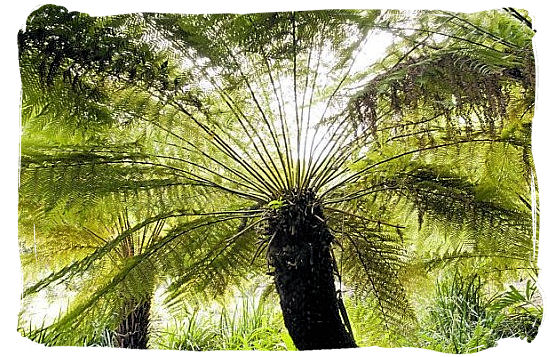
column 459, row 318
column 251, row 323
column 41, row 334
column 462, row 318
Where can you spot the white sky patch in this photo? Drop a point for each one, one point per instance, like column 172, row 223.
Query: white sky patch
column 315, row 138
column 46, row 306
column 373, row 50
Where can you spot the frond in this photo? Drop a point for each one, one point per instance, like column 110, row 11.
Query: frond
column 372, row 257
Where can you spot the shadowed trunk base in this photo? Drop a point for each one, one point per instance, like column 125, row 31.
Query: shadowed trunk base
column 133, row 331
column 304, row 277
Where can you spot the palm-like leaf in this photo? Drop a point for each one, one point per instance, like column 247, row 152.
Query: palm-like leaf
column 228, row 124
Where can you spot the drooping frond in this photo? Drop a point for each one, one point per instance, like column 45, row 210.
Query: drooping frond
column 473, row 73
column 371, row 258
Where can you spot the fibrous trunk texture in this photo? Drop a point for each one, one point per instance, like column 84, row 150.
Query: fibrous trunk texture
column 303, row 266
column 132, row 332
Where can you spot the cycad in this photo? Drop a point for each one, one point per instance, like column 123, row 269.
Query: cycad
column 301, row 158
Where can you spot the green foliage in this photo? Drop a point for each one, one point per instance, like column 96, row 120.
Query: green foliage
column 252, row 323
column 156, row 149
column 522, row 311
column 462, row 318
column 459, row 320
column 276, row 204
column 366, row 324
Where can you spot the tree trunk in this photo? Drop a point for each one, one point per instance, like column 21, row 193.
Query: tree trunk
column 132, row 332
column 304, row 277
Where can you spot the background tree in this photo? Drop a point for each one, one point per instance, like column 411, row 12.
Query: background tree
column 293, row 155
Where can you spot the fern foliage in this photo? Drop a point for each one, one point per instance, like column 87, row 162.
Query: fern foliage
column 157, row 150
